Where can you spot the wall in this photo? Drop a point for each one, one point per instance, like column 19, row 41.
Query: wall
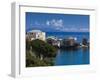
column 5, row 40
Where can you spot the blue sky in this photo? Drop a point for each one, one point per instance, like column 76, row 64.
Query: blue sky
column 57, row 22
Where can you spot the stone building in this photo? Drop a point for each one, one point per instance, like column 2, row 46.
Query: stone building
column 36, row 34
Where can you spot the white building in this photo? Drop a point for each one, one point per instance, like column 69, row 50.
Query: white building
column 55, row 41
column 36, row 34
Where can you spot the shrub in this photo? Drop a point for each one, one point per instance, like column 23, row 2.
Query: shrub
column 43, row 48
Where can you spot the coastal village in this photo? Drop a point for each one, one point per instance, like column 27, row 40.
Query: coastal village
column 67, row 43
column 41, row 50
column 56, row 39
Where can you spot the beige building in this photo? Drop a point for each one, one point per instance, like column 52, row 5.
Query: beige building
column 36, row 34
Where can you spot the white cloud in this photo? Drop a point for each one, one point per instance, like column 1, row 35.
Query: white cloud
column 74, row 29
column 84, row 29
column 55, row 23
column 37, row 23
column 58, row 24
column 48, row 23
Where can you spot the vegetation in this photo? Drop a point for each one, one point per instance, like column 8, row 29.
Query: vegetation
column 39, row 53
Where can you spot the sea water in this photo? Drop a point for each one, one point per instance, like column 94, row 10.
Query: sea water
column 71, row 57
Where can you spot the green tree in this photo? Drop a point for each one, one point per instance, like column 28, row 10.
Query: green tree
column 43, row 48
column 29, row 59
column 28, row 44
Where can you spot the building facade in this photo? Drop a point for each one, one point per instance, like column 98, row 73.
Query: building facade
column 36, row 34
